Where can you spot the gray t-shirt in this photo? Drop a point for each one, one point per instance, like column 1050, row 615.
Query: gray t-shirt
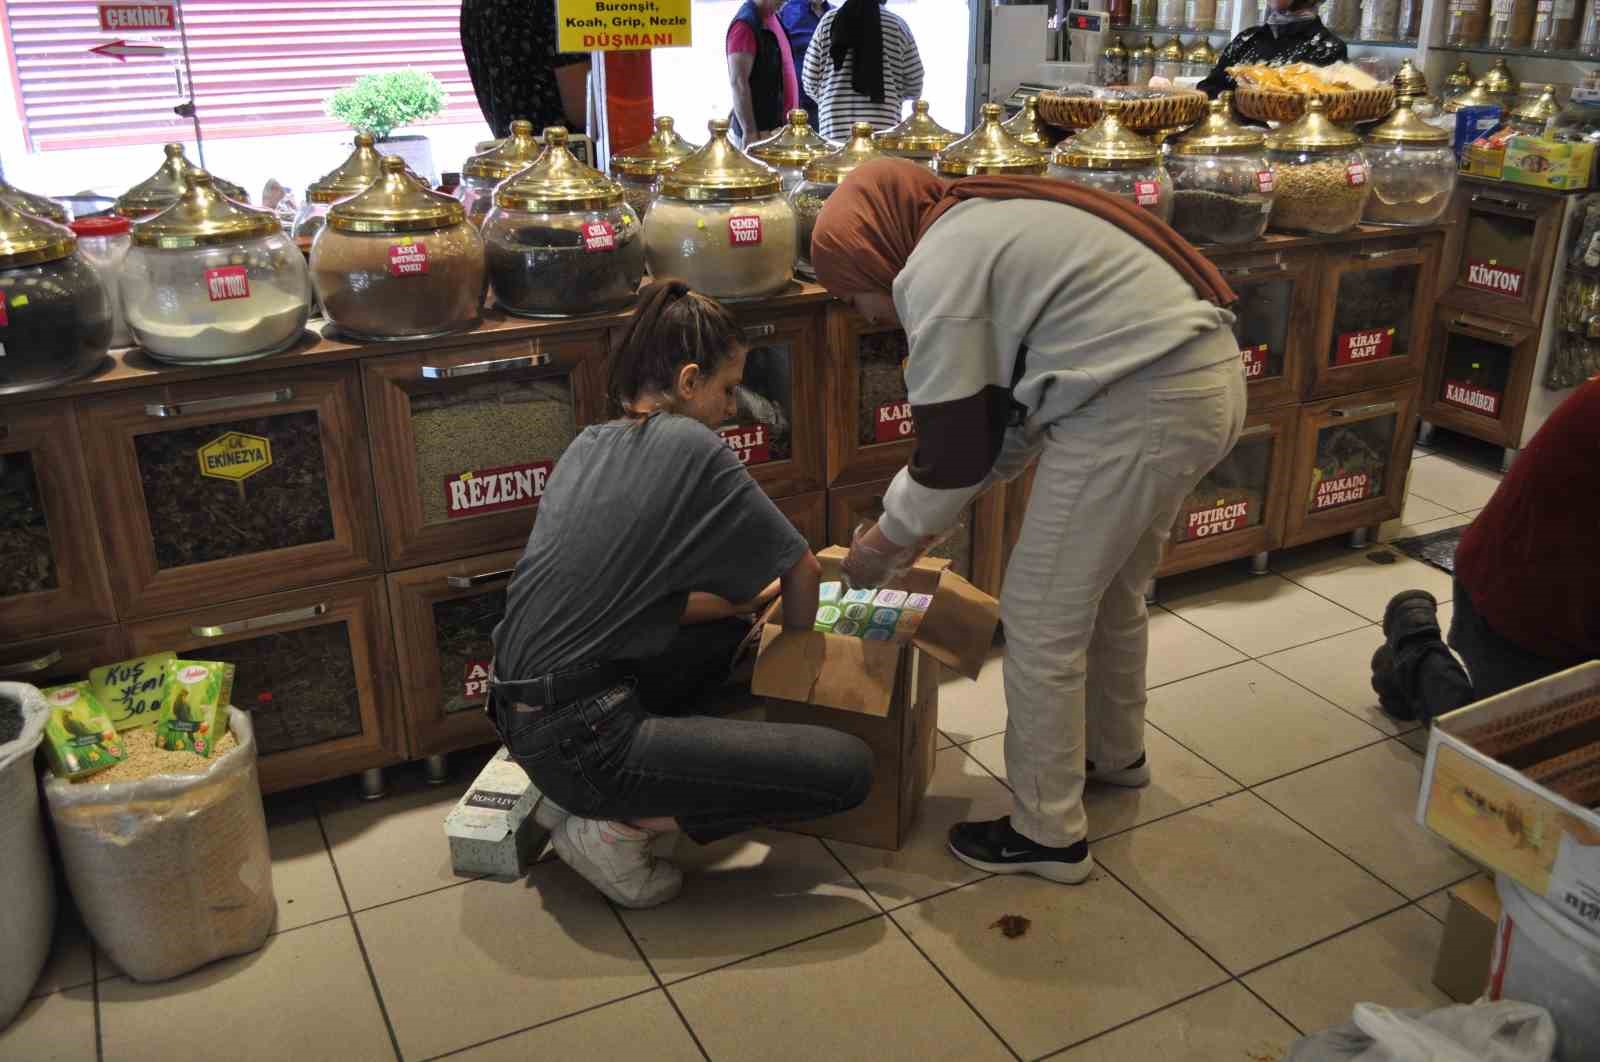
column 634, row 518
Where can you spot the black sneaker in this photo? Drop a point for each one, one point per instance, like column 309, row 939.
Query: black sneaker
column 1386, row 684
column 1134, row 776
column 996, row 847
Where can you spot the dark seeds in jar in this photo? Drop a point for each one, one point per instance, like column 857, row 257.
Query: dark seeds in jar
column 1215, row 217
column 10, row 720
column 534, row 269
column 57, row 322
column 27, row 557
column 806, row 209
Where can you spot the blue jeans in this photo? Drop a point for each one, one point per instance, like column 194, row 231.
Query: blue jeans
column 1495, row 663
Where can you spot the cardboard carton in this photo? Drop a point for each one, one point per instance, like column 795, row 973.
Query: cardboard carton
column 194, row 715
column 79, row 738
column 492, row 830
column 1541, row 163
column 1462, row 968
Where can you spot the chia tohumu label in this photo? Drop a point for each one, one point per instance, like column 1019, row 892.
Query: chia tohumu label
column 599, row 236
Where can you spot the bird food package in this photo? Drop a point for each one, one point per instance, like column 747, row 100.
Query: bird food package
column 79, row 738
column 194, row 716
column 873, row 615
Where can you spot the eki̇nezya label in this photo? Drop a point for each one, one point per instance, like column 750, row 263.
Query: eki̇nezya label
column 1352, row 348
column 1471, row 396
column 1255, row 361
column 489, row 490
column 1356, row 174
column 235, row 456
column 409, row 259
column 1341, row 490
column 1146, row 193
column 599, row 236
column 227, row 282
column 894, row 422
column 1218, row 519
column 475, row 683
column 1488, row 275
column 744, row 230
column 750, row 442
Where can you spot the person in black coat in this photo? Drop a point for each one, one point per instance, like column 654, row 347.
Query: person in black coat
column 1292, row 33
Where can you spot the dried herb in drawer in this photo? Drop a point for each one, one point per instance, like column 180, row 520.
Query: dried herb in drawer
column 299, row 686
column 464, row 628
column 27, row 557
column 766, row 397
column 882, row 381
column 1351, row 464
column 1372, row 299
column 196, row 517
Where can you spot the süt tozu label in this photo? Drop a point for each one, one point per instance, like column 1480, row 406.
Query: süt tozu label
column 475, row 683
column 894, row 422
column 1355, row 174
column 1371, row 344
column 744, row 230
column 1471, row 396
column 1146, row 193
column 489, row 490
column 1494, row 278
column 1218, row 519
column 749, row 442
column 409, row 258
column 1255, row 361
column 1341, row 490
column 599, row 236
column 227, row 282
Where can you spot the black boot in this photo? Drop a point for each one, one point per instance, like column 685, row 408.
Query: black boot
column 1416, row 675
column 1391, row 697
column 1410, row 613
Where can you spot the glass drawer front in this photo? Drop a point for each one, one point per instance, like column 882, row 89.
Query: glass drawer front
column 883, row 412
column 1352, row 463
column 1231, row 497
column 1476, row 372
column 1262, row 325
column 957, row 549
column 27, row 555
column 1372, row 318
column 463, row 630
column 761, row 431
column 1497, row 254
column 299, row 686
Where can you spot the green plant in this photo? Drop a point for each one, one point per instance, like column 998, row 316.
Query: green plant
column 381, row 103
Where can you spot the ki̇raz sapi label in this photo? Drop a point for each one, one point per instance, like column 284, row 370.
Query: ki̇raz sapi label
column 1494, row 278
column 894, row 422
column 1472, row 397
column 599, row 236
column 1340, row 490
column 475, row 684
column 490, row 490
column 227, row 282
column 744, row 230
column 1371, row 344
column 1355, row 174
column 1255, row 361
column 749, row 442
column 408, row 258
column 1146, row 193
column 1217, row 519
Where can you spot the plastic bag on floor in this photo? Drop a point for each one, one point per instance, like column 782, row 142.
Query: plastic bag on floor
column 173, row 871
column 27, row 891
column 1481, row 1032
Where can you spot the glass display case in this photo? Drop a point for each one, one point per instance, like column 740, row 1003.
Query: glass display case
column 1501, row 249
column 866, row 377
column 1275, row 291
column 1480, row 373
column 1377, row 306
column 777, row 429
column 1350, row 463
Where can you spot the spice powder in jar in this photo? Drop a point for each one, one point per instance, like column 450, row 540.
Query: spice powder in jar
column 1320, row 175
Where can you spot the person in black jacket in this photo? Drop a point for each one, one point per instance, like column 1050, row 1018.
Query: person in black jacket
column 516, row 71
column 1292, row 33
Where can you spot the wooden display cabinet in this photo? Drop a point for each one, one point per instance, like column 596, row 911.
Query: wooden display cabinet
column 230, row 487
column 1479, row 376
column 52, row 571
column 1350, row 463
column 809, row 514
column 1277, row 294
column 871, row 435
column 62, row 657
column 464, row 440
column 1501, row 250
column 778, row 431
column 974, row 550
column 1374, row 312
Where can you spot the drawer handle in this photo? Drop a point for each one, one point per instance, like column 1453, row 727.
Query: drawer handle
column 1274, row 266
column 1467, row 322
column 1362, row 411
column 483, row 368
column 760, row 331
column 33, row 666
column 213, row 405
column 255, row 623
column 467, row 582
column 1259, row 429
column 1509, row 204
column 1371, row 256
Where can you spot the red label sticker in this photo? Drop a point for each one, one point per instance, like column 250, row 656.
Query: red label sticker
column 1471, row 396
column 749, row 441
column 1341, row 490
column 1255, row 361
column 4, row 318
column 1265, row 181
column 1146, row 193
column 599, row 236
column 1216, row 519
column 408, row 259
column 489, row 490
column 227, row 282
column 894, row 422
column 137, row 18
column 1356, row 174
column 744, row 230
column 1369, row 345
column 1488, row 275
column 475, row 685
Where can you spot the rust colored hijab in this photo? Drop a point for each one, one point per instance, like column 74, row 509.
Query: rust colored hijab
column 872, row 222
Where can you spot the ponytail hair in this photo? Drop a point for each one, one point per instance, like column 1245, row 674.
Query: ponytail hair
column 672, row 327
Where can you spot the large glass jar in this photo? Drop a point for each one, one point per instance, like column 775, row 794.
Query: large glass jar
column 1502, row 84
column 822, row 179
column 790, row 148
column 1556, row 25
column 1223, row 23
column 167, row 185
column 1411, row 169
column 1342, row 17
column 1169, row 60
column 1028, row 128
column 1112, row 68
column 1380, row 20
column 37, row 205
column 1144, row 14
column 560, row 240
column 1589, row 36
column 1114, row 159
column 398, row 261
column 210, row 281
column 1222, row 185
column 721, row 223
column 1411, row 84
column 105, row 242
column 1532, row 116
column 1410, row 21
column 354, row 175
column 639, row 168
column 1169, row 13
column 919, row 137
column 1200, row 14
column 988, row 149
column 1320, row 174
column 1511, row 23
column 1142, row 63
column 483, row 172
column 1466, row 23
column 1199, row 59
column 55, row 318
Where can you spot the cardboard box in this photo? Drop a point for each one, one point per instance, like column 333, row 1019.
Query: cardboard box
column 491, row 829
column 1472, row 123
column 1541, row 163
column 79, row 738
column 1462, row 968
column 194, row 715
column 1511, row 781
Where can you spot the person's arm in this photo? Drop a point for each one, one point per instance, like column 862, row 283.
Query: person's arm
column 739, row 66
column 801, row 591
column 572, row 81
column 1219, row 81
column 814, row 66
column 702, row 607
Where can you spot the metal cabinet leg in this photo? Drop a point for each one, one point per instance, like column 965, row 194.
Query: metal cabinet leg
column 1425, row 434
column 1361, row 538
column 1150, row 592
column 438, row 769
column 1507, row 459
column 1259, row 563
column 372, row 784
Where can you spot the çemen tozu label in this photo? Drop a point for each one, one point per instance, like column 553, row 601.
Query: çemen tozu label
column 744, row 230
column 1217, row 519
column 750, row 442
column 599, row 236
column 1255, row 361
column 1341, row 490
column 475, row 683
column 1355, row 174
column 1488, row 275
column 227, row 282
column 894, row 422
column 408, row 258
column 235, row 456
column 1471, row 396
column 1146, row 193
column 1370, row 344
column 489, row 490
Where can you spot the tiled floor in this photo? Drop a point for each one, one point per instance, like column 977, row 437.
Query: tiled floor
column 1269, row 878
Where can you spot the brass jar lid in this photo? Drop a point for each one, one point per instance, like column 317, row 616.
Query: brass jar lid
column 27, row 239
column 1201, row 52
column 1218, row 134
column 1107, row 145
column 1145, row 51
column 1476, row 96
column 1170, row 52
column 1312, row 131
column 1116, row 50
column 1026, row 126
column 918, row 135
column 836, row 166
column 354, row 174
column 1499, row 81
column 1538, row 110
column 1409, row 82
column 28, row 203
column 720, row 172
column 1460, row 79
column 201, row 217
column 988, row 149
column 794, row 145
column 557, row 182
column 396, row 202
column 663, row 151
column 167, row 185
column 515, row 152
column 1404, row 127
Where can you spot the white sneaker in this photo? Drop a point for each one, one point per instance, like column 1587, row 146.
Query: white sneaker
column 616, row 859
column 1134, row 776
column 546, row 812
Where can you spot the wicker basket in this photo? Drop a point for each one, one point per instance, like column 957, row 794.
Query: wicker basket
column 1178, row 108
column 1364, row 105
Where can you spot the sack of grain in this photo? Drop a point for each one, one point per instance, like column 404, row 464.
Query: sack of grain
column 27, row 888
column 173, row 871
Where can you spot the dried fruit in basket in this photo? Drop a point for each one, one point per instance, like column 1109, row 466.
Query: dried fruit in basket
column 1303, row 78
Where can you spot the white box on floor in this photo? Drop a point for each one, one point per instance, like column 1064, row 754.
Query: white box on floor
column 491, row 829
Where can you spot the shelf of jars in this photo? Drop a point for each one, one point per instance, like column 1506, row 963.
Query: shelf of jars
column 1563, row 55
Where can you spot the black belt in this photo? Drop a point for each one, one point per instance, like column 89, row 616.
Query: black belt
column 556, row 688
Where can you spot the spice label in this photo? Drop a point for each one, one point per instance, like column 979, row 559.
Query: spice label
column 1265, row 181
column 1217, row 519
column 132, row 691
column 1353, row 348
column 227, row 282
column 1255, row 361
column 1471, row 396
column 744, row 230
column 749, row 442
column 491, row 490
column 1146, row 193
column 599, row 236
column 1355, row 174
column 235, row 456
column 409, row 259
column 895, row 422
column 475, row 684
column 1488, row 275
column 1340, row 490
column 152, row 17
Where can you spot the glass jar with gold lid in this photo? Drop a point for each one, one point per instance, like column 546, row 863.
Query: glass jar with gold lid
column 790, row 148
column 1501, row 83
column 639, row 169
column 988, row 149
column 1222, row 184
column 398, row 261
column 37, row 205
column 355, row 174
column 56, row 324
column 823, row 177
column 1027, row 127
column 167, row 185
column 561, row 240
column 918, row 137
column 721, row 223
column 1115, row 159
column 1411, row 169
column 483, row 172
column 1169, row 59
column 1199, row 59
column 1111, row 68
column 1533, row 113
column 1319, row 174
column 1411, row 84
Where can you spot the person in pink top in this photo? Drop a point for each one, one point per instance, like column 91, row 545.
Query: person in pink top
column 760, row 71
